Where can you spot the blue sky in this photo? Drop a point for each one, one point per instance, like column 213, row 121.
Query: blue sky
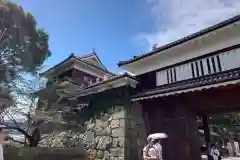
column 121, row 29
column 78, row 26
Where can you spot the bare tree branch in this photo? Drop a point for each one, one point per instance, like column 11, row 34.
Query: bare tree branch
column 12, row 139
column 43, row 137
column 19, row 130
column 12, row 119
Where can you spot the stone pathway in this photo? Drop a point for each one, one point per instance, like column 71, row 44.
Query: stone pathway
column 232, row 158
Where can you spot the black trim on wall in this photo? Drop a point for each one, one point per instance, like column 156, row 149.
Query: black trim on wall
column 219, row 63
column 192, row 68
column 201, row 66
column 197, row 69
column 214, row 65
column 196, row 58
column 175, row 74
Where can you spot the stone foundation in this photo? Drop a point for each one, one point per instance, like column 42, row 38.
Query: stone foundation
column 103, row 138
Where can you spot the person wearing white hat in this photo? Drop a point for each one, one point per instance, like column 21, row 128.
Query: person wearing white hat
column 153, row 150
column 158, row 147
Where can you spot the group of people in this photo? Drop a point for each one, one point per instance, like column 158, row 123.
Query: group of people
column 214, row 153
column 211, row 153
column 153, row 150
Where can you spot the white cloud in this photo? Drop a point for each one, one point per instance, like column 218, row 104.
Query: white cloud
column 174, row 19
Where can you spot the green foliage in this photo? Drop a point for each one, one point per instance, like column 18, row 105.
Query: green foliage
column 229, row 122
column 23, row 47
column 23, row 50
column 225, row 125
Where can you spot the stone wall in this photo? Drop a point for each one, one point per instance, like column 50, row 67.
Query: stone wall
column 44, row 153
column 103, row 138
column 114, row 128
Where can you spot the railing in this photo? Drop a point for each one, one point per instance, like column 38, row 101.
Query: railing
column 204, row 66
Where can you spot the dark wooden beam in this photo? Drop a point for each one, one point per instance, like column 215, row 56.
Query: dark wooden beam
column 219, row 100
column 206, row 131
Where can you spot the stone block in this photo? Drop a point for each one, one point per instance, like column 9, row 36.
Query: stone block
column 114, row 123
column 104, row 124
column 103, row 132
column 121, row 142
column 119, row 114
column 100, row 154
column 105, row 117
column 115, row 143
column 122, row 123
column 116, row 152
column 116, row 158
column 106, row 155
column 98, row 124
column 118, row 132
column 92, row 153
column 90, row 136
column 104, row 143
column 121, row 152
column 118, row 108
column 110, row 119
column 90, row 126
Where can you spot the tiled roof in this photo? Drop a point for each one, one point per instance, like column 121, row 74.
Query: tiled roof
column 59, row 64
column 69, row 80
column 73, row 94
column 185, row 39
column 221, row 77
column 78, row 59
column 86, row 56
column 111, row 79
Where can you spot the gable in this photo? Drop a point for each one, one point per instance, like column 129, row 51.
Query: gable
column 94, row 60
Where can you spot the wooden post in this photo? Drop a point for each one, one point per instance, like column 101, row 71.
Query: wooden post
column 206, row 131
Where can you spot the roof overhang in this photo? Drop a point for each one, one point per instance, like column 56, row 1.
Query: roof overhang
column 115, row 82
column 59, row 68
column 186, row 90
column 214, row 38
column 222, row 79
